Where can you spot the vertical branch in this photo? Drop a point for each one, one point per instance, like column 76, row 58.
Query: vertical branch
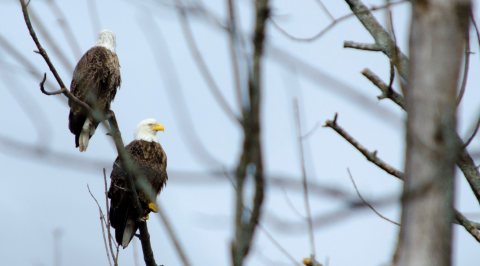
column 304, row 181
column 250, row 165
column 235, row 46
column 437, row 39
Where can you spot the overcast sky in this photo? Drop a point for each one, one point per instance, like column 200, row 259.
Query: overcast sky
column 43, row 185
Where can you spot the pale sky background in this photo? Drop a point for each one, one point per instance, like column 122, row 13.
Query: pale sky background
column 39, row 195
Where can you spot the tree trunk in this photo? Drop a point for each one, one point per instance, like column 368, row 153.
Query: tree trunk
column 437, row 39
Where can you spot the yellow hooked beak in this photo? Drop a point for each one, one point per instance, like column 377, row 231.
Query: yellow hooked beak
column 158, row 127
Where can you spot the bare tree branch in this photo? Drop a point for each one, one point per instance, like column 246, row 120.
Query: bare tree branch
column 466, row 64
column 111, row 242
column 306, row 200
column 382, row 165
column 250, row 165
column 471, row 227
column 387, row 91
column 371, row 156
column 362, row 46
column 381, row 36
column 102, row 225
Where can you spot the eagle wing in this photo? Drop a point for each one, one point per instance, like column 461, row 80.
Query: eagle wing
column 152, row 162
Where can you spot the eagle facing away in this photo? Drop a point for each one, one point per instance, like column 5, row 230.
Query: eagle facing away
column 95, row 81
column 149, row 156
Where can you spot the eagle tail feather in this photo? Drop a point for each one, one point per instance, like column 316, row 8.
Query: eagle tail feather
column 88, row 130
column 128, row 232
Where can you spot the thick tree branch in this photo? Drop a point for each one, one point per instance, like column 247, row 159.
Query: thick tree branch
column 250, row 167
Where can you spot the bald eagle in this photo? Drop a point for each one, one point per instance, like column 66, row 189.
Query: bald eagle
column 95, row 81
column 149, row 156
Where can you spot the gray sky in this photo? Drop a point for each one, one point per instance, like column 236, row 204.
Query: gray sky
column 41, row 193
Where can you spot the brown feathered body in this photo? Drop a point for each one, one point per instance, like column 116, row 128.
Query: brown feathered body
column 152, row 162
column 95, row 81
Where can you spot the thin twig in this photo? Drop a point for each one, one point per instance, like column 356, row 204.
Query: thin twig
column 474, row 133
column 311, row 131
column 42, row 88
column 235, row 47
column 278, row 245
column 387, row 91
column 391, row 30
column 102, row 223
column 304, row 180
column 466, row 64
column 475, row 26
column 325, row 9
column 65, row 26
column 107, row 205
column 202, row 66
column 94, row 16
column 329, row 26
column 50, row 40
column 371, row 156
column 291, row 205
column 362, row 46
column 366, row 202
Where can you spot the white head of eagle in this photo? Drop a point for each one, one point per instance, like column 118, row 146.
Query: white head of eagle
column 106, row 38
column 147, row 130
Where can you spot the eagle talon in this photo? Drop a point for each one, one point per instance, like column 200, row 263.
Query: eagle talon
column 152, row 207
